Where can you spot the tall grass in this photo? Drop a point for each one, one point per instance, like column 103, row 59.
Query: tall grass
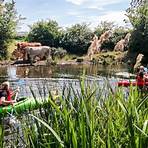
column 85, row 118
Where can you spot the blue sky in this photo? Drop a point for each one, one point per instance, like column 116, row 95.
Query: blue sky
column 68, row 12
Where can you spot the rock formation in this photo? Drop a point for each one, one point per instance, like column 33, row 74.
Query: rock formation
column 96, row 43
column 93, row 49
column 138, row 61
column 123, row 43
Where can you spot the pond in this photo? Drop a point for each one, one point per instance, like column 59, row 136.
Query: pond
column 45, row 78
column 56, row 77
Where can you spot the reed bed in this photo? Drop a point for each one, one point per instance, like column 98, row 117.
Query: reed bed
column 87, row 118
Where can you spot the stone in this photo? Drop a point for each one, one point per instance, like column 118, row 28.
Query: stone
column 138, row 61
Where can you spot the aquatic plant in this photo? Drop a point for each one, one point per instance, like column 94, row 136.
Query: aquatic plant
column 88, row 117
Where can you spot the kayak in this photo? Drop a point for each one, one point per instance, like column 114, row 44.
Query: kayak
column 127, row 83
column 23, row 105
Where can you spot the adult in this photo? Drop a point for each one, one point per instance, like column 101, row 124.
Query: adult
column 6, row 94
column 142, row 78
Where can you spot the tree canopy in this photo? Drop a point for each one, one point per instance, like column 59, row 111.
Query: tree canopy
column 45, row 32
column 8, row 23
column 138, row 16
column 76, row 38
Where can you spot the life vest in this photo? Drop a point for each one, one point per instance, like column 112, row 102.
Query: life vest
column 8, row 96
column 140, row 81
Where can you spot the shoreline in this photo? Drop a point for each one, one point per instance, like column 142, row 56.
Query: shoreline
column 103, row 58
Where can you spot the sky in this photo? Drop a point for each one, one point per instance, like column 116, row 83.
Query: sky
column 70, row 12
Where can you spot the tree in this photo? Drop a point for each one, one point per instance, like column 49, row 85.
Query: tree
column 76, row 39
column 8, row 23
column 45, row 32
column 138, row 16
column 104, row 26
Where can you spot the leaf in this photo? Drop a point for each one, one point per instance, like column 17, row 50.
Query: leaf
column 53, row 132
column 140, row 130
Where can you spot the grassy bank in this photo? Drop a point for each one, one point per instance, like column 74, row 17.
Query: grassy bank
column 86, row 118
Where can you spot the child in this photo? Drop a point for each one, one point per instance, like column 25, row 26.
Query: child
column 6, row 94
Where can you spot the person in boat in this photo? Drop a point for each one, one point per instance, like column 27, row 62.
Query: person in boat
column 143, row 70
column 6, row 94
column 140, row 80
column 146, row 77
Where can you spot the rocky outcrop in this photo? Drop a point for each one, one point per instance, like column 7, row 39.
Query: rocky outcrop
column 122, row 44
column 108, row 58
column 96, row 43
column 138, row 61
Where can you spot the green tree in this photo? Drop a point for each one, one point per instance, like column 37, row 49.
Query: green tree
column 104, row 26
column 138, row 16
column 76, row 39
column 8, row 23
column 45, row 32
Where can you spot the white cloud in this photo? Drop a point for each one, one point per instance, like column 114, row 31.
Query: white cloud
column 77, row 2
column 73, row 13
column 111, row 16
column 97, row 4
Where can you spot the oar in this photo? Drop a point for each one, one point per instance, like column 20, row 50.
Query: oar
column 20, row 83
column 16, row 95
column 15, row 100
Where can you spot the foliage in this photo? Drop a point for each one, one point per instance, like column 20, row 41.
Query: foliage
column 45, row 32
column 138, row 16
column 8, row 23
column 119, row 33
column 58, row 53
column 103, row 26
column 91, row 117
column 76, row 39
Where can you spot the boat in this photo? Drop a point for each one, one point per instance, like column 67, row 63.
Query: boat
column 126, row 83
column 23, row 105
column 125, row 75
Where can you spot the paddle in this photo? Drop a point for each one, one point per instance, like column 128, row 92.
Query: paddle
column 20, row 83
column 16, row 95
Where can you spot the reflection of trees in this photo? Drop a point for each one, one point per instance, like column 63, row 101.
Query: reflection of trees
column 34, row 72
column 3, row 74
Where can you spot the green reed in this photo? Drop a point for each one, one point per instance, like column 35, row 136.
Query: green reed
column 87, row 117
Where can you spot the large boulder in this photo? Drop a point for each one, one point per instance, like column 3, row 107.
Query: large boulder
column 139, row 60
column 122, row 45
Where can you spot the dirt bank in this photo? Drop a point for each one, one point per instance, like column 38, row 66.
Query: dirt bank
column 106, row 58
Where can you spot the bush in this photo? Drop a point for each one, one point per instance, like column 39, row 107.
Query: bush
column 45, row 32
column 76, row 39
column 8, row 22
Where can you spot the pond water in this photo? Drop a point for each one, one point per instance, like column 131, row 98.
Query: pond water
column 44, row 78
column 56, row 77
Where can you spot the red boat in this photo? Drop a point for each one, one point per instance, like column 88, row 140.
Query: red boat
column 127, row 83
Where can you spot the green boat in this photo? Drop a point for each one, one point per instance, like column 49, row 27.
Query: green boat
column 24, row 105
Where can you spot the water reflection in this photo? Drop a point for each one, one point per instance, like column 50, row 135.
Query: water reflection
column 58, row 71
column 55, row 77
column 34, row 72
column 3, row 74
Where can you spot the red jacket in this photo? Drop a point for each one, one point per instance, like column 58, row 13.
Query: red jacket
column 140, row 81
column 7, row 94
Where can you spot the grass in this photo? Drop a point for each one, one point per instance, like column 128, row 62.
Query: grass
column 88, row 118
